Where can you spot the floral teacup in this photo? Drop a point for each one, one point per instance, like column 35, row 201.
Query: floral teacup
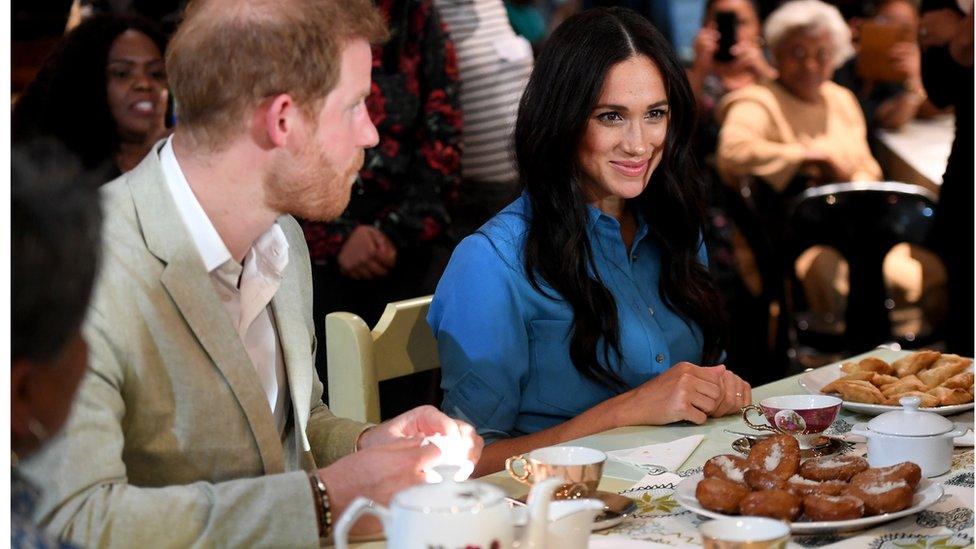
column 803, row 416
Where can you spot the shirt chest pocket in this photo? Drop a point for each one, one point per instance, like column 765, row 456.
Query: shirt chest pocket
column 555, row 382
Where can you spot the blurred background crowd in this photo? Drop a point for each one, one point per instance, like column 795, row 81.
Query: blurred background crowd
column 788, row 105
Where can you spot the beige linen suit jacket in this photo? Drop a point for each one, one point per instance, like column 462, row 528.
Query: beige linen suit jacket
column 171, row 442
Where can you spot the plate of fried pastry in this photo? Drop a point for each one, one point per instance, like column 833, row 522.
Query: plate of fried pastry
column 873, row 383
column 835, row 493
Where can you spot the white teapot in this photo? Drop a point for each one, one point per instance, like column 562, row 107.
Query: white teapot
column 459, row 515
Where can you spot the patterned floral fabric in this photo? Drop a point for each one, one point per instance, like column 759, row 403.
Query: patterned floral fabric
column 416, row 168
column 23, row 532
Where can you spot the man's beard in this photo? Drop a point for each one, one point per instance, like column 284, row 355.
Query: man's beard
column 308, row 186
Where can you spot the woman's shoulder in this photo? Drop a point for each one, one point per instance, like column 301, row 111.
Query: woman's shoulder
column 838, row 95
column 760, row 93
column 507, row 231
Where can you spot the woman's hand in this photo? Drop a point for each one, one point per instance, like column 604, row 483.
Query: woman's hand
column 684, row 392
column 832, row 171
column 736, row 393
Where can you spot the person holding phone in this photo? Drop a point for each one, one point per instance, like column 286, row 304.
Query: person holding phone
column 886, row 74
column 728, row 52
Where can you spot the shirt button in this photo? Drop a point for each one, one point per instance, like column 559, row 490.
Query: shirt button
column 633, row 257
column 225, row 298
column 659, row 358
column 651, row 310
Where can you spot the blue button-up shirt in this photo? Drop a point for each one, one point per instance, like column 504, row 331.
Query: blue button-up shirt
column 504, row 346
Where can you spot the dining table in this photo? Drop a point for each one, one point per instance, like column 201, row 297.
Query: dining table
column 661, row 521
column 918, row 151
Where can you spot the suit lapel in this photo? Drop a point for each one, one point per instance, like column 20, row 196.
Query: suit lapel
column 296, row 345
column 189, row 285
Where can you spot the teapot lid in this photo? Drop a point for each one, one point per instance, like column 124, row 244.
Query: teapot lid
column 910, row 421
column 449, row 497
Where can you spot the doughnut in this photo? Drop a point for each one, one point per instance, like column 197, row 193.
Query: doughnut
column 758, row 479
column 833, row 467
column 882, row 496
column 906, row 470
column 777, row 504
column 720, row 495
column 778, row 454
column 804, row 486
column 822, row 507
column 726, row 466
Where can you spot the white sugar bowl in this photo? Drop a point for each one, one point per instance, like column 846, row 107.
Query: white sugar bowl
column 910, row 434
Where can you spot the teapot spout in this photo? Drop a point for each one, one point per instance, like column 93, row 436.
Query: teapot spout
column 537, row 528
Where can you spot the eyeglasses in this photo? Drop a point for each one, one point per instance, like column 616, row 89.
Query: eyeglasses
column 802, row 53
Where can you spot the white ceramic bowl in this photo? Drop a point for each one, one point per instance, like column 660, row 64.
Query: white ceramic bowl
column 744, row 532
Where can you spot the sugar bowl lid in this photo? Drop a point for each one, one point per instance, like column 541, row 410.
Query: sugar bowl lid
column 910, row 421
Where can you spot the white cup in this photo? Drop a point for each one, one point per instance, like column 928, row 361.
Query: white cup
column 745, row 533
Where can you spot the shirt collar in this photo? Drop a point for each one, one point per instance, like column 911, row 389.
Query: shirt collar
column 210, row 246
column 596, row 217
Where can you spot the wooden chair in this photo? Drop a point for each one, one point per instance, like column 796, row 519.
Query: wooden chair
column 399, row 345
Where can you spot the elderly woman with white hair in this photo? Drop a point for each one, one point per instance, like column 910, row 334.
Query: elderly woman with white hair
column 802, row 129
column 800, row 126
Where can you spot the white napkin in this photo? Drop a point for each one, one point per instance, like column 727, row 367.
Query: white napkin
column 670, row 455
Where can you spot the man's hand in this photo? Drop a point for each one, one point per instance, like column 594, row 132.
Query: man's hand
column 367, row 254
column 376, row 473
column 421, row 422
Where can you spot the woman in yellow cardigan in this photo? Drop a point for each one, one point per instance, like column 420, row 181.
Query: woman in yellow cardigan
column 802, row 129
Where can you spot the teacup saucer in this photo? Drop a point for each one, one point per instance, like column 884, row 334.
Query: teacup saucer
column 830, row 446
column 615, row 508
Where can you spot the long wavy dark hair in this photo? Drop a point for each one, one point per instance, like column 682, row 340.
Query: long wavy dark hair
column 552, row 119
column 68, row 100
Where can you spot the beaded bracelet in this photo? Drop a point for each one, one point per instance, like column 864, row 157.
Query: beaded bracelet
column 323, row 506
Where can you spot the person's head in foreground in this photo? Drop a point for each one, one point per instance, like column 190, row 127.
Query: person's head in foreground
column 607, row 120
column 55, row 227
column 809, row 40
column 102, row 93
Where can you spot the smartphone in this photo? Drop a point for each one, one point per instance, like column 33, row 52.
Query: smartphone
column 873, row 57
column 727, row 23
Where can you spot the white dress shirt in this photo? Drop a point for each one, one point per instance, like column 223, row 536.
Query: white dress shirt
column 245, row 290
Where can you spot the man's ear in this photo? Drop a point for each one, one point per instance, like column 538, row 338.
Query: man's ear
column 280, row 119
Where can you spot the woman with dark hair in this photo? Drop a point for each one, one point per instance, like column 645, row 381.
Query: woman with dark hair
column 102, row 93
column 585, row 304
